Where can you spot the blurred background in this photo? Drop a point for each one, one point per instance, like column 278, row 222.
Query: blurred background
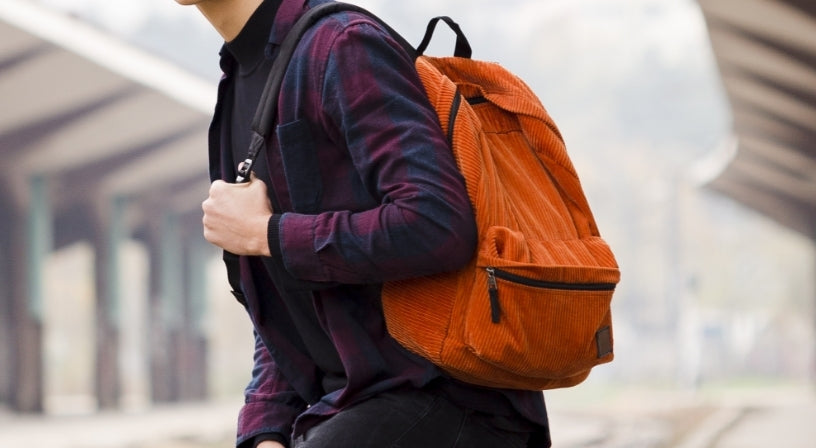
column 691, row 123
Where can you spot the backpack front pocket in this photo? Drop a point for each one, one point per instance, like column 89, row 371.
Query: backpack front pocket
column 544, row 321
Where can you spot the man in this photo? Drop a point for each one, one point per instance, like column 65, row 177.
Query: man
column 365, row 190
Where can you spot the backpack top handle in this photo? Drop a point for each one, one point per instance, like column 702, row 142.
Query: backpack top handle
column 462, row 50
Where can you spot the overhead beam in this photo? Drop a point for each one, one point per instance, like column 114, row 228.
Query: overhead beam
column 17, row 142
column 24, row 55
column 125, row 60
column 87, row 181
column 787, row 211
column 762, row 55
column 750, row 121
column 798, row 169
column 764, row 97
column 778, row 20
column 788, row 187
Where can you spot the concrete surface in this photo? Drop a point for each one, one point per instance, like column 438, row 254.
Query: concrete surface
column 784, row 418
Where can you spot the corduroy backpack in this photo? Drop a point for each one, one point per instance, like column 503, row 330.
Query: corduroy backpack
column 532, row 309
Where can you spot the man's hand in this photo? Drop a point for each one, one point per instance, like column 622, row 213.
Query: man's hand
column 236, row 217
column 270, row 444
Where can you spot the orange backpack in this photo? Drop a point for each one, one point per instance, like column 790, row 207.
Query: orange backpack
column 532, row 309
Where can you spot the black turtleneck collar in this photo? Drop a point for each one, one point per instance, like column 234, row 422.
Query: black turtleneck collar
column 248, row 48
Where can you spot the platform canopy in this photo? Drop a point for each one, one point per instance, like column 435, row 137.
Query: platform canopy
column 766, row 51
column 97, row 118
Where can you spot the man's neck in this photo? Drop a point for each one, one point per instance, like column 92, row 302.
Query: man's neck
column 228, row 17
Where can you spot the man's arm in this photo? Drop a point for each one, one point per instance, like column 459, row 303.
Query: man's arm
column 371, row 98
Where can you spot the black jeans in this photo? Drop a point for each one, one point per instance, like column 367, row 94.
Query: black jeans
column 409, row 418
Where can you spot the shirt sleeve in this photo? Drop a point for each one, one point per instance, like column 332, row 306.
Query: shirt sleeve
column 372, row 96
column 271, row 404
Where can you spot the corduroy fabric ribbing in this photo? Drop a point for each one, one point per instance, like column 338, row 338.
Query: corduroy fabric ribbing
column 534, row 222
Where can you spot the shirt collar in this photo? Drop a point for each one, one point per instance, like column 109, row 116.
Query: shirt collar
column 288, row 11
column 249, row 47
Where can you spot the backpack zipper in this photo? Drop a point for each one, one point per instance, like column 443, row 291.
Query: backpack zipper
column 493, row 287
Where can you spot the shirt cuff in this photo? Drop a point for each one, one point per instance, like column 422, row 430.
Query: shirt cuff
column 296, row 242
column 262, row 419
column 273, row 237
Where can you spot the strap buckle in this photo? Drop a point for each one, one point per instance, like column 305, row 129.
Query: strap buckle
column 244, row 169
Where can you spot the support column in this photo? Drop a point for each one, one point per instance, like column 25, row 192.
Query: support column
column 158, row 348
column 195, row 368
column 31, row 244
column 8, row 217
column 167, row 290
column 108, row 292
column 173, row 282
column 813, row 310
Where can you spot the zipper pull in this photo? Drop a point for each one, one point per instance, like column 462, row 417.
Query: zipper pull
column 493, row 290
